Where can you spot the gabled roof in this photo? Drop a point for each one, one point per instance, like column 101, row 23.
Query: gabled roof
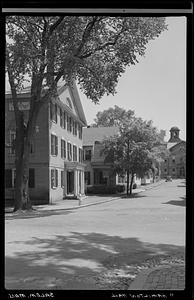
column 177, row 145
column 92, row 134
column 25, row 93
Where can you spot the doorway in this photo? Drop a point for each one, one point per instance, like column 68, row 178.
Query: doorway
column 70, row 182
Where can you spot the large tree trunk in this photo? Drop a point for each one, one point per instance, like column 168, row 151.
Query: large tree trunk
column 131, row 184
column 22, row 145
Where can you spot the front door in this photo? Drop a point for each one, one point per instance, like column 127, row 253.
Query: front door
column 70, row 182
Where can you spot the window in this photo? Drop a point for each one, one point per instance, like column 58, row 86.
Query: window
column 70, row 124
column 80, row 155
column 54, row 178
column 75, row 128
column 165, row 170
column 63, row 148
column 173, row 160
column 165, row 160
column 31, row 182
column 62, row 179
column 80, row 131
column 173, row 170
column 10, row 176
column 32, row 147
column 87, row 154
column 74, row 153
column 87, row 178
column 12, row 137
column 69, row 151
column 61, row 118
column 64, row 119
column 53, row 112
column 54, row 144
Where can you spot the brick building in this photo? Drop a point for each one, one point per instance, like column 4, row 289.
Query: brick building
column 56, row 153
column 175, row 163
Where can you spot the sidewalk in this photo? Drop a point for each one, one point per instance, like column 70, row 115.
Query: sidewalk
column 169, row 277
column 69, row 204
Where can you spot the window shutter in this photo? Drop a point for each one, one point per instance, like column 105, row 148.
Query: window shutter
column 64, row 120
column 64, row 149
column 56, row 177
column 56, row 145
column 52, row 178
column 8, row 178
column 62, row 178
column 31, row 178
column 61, row 148
column 61, row 118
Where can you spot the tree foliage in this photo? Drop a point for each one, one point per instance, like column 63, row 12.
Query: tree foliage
column 131, row 151
column 112, row 117
column 93, row 50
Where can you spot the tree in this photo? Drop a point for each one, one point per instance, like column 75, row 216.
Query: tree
column 94, row 50
column 131, row 150
column 112, row 117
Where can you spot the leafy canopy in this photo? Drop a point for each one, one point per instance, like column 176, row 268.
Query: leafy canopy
column 131, row 149
column 112, row 117
column 94, row 50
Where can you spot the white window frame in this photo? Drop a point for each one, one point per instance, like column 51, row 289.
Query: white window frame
column 55, row 144
column 55, row 186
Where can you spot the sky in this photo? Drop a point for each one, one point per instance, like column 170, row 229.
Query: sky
column 155, row 88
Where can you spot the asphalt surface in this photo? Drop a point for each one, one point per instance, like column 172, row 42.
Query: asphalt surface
column 73, row 249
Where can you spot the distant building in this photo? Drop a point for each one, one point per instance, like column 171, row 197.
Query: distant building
column 56, row 153
column 175, row 163
column 96, row 171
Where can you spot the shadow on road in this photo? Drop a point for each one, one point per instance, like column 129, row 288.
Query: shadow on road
column 66, row 258
column 177, row 202
column 36, row 214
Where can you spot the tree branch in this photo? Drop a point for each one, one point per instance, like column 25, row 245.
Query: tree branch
column 86, row 34
column 105, row 45
column 56, row 24
column 19, row 26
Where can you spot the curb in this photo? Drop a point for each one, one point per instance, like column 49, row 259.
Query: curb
column 141, row 278
column 95, row 203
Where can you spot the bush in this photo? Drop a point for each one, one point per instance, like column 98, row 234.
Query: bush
column 104, row 189
column 120, row 188
column 134, row 186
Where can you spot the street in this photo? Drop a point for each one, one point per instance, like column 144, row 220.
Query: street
column 78, row 249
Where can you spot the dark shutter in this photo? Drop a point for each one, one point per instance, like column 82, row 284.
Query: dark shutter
column 64, row 120
column 56, row 145
column 31, row 178
column 61, row 148
column 56, row 177
column 8, row 178
column 62, row 178
column 52, row 178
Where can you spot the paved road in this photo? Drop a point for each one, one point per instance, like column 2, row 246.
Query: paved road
column 71, row 249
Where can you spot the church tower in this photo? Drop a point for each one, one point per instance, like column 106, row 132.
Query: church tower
column 174, row 135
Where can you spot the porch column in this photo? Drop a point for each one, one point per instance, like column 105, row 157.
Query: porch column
column 82, row 183
column 75, row 183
